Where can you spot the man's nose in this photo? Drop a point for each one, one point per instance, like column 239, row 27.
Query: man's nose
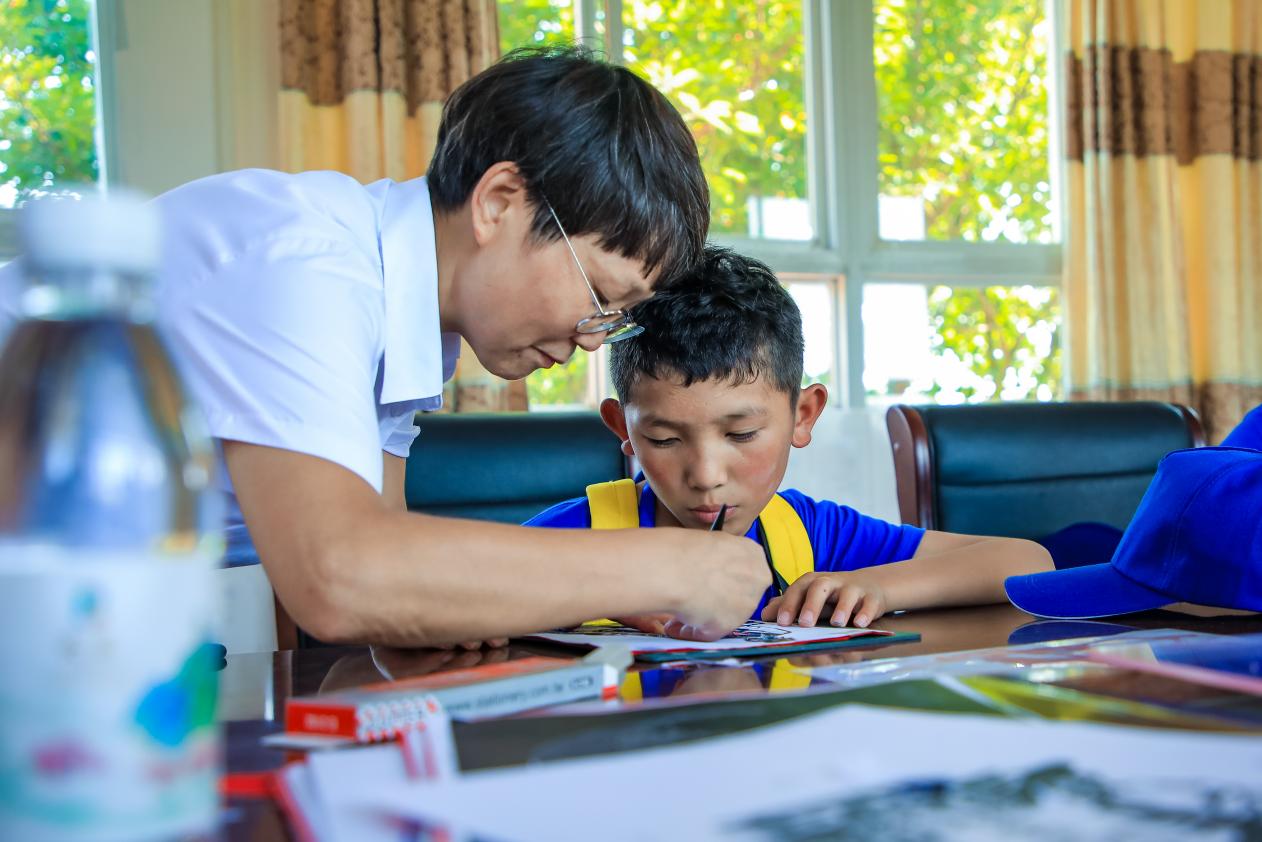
column 589, row 341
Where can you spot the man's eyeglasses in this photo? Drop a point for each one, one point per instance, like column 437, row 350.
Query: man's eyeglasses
column 616, row 324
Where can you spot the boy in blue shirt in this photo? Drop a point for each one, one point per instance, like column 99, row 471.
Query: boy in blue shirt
column 711, row 402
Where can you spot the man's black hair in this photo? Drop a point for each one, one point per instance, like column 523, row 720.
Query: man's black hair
column 607, row 150
column 728, row 318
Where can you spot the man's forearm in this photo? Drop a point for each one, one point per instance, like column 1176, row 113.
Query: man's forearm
column 411, row 579
column 348, row 566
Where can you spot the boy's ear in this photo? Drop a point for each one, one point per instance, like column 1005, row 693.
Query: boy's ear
column 811, row 402
column 611, row 413
column 498, row 191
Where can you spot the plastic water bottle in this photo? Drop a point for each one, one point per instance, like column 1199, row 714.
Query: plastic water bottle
column 107, row 545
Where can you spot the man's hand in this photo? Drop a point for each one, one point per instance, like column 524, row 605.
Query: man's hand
column 647, row 623
column 726, row 576
column 845, row 595
column 474, row 645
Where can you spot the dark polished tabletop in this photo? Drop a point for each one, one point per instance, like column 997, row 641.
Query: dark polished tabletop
column 254, row 688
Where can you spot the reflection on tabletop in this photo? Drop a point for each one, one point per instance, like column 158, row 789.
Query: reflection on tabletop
column 387, row 663
column 255, row 686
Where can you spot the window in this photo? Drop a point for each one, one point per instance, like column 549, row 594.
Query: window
column 960, row 345
column 816, row 297
column 893, row 160
column 962, row 121
column 736, row 70
column 48, row 125
column 964, row 151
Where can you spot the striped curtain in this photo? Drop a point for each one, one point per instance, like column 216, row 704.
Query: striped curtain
column 1163, row 270
column 363, row 84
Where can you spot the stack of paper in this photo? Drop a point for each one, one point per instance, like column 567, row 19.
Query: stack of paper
column 849, row 772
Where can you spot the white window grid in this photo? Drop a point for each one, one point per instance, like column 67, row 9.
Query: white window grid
column 843, row 187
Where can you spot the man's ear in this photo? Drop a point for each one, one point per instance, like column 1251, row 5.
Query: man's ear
column 611, row 413
column 811, row 402
column 499, row 192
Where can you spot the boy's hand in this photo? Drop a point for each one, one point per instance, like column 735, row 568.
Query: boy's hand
column 723, row 577
column 845, row 595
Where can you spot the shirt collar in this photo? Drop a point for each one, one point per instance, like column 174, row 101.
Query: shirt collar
column 419, row 357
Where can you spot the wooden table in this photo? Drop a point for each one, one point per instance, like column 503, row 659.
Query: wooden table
column 254, row 689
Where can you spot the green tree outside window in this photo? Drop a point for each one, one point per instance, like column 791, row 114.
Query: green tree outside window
column 963, row 115
column 963, row 128
column 47, row 96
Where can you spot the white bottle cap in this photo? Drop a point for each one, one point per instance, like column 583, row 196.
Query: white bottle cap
column 120, row 231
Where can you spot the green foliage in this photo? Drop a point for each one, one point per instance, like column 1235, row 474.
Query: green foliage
column 535, row 23
column 736, row 69
column 1008, row 337
column 47, row 94
column 561, row 385
column 962, row 124
column 962, row 103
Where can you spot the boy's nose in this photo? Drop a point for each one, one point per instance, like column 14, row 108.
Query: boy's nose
column 706, row 473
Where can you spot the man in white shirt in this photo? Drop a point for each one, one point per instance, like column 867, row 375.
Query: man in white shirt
column 313, row 316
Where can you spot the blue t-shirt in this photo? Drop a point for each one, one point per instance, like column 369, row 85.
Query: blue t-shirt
column 841, row 538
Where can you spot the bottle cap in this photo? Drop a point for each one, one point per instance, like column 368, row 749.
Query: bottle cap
column 82, row 230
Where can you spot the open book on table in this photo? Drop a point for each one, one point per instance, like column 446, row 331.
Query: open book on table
column 751, row 639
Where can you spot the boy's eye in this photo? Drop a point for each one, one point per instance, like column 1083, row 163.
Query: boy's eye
column 661, row 442
column 742, row 436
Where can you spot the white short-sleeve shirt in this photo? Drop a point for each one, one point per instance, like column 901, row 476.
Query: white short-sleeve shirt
column 303, row 313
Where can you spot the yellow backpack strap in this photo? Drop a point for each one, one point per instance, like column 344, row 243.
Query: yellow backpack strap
column 614, row 505
column 787, row 540
column 632, row 689
column 785, row 676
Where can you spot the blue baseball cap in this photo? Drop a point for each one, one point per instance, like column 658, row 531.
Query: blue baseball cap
column 1196, row 537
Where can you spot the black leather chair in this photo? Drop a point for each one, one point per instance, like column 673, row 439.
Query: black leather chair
column 1026, row 470
column 507, row 467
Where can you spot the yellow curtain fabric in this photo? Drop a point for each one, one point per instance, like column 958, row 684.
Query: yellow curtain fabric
column 362, row 88
column 1163, row 270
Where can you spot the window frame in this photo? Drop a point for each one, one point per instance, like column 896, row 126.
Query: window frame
column 844, row 186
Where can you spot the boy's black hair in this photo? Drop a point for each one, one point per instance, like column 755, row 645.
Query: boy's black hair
column 728, row 318
column 609, row 152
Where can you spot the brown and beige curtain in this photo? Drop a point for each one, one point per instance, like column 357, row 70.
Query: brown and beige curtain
column 1163, row 271
column 363, row 83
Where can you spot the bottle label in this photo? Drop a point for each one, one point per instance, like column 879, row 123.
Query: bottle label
column 107, row 701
